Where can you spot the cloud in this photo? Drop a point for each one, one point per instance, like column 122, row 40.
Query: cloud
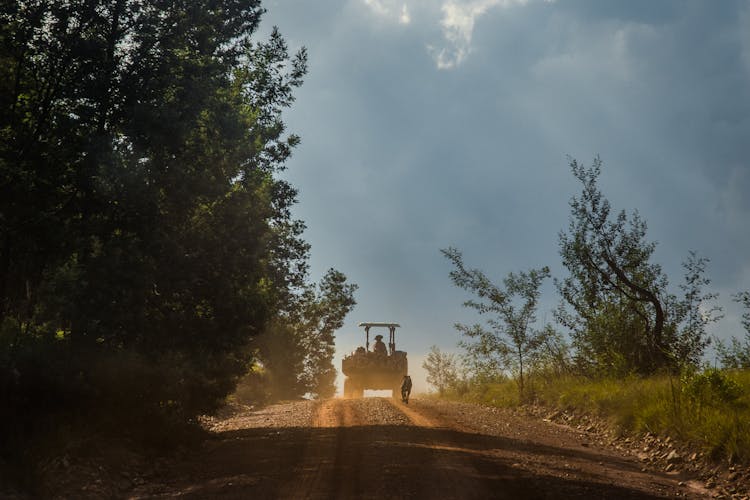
column 744, row 31
column 456, row 20
column 390, row 10
column 734, row 201
column 404, row 18
column 457, row 23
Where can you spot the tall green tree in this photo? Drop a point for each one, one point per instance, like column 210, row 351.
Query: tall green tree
column 694, row 312
column 297, row 349
column 442, row 369
column 623, row 317
column 736, row 355
column 140, row 207
column 510, row 336
column 322, row 313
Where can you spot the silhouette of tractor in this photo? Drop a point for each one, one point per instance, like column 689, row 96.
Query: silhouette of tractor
column 377, row 369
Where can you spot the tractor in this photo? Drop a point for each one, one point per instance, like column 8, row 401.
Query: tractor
column 378, row 369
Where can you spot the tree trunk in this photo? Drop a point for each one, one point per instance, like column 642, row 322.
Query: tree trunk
column 520, row 373
column 659, row 353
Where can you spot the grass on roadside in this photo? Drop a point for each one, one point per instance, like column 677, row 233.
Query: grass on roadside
column 710, row 409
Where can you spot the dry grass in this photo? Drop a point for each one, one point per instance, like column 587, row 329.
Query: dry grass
column 710, row 409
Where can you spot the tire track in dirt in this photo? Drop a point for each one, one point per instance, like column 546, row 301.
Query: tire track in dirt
column 314, row 471
column 452, row 460
column 325, row 453
column 375, row 448
column 414, row 417
column 325, row 415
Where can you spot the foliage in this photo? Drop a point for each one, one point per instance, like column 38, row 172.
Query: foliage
column 323, row 313
column 693, row 312
column 253, row 388
column 737, row 354
column 296, row 351
column 509, row 341
column 711, row 387
column 623, row 318
column 709, row 409
column 553, row 354
column 442, row 369
column 142, row 217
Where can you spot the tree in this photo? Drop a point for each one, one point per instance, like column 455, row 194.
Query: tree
column 511, row 338
column 552, row 357
column 693, row 312
column 141, row 212
column 737, row 355
column 297, row 349
column 624, row 319
column 322, row 313
column 441, row 369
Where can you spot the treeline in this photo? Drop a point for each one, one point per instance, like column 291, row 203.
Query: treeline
column 148, row 255
column 619, row 313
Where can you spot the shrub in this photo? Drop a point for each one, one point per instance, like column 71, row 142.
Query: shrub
column 710, row 409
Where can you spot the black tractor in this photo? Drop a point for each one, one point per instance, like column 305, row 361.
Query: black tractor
column 379, row 368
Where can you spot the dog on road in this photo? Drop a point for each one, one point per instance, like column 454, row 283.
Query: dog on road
column 406, row 389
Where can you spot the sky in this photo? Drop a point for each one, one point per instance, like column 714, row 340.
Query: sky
column 434, row 123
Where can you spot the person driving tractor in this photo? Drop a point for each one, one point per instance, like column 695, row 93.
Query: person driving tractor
column 379, row 347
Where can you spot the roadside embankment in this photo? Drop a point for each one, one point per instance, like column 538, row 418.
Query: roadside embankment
column 698, row 423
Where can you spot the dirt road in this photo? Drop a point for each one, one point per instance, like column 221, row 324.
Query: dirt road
column 380, row 448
